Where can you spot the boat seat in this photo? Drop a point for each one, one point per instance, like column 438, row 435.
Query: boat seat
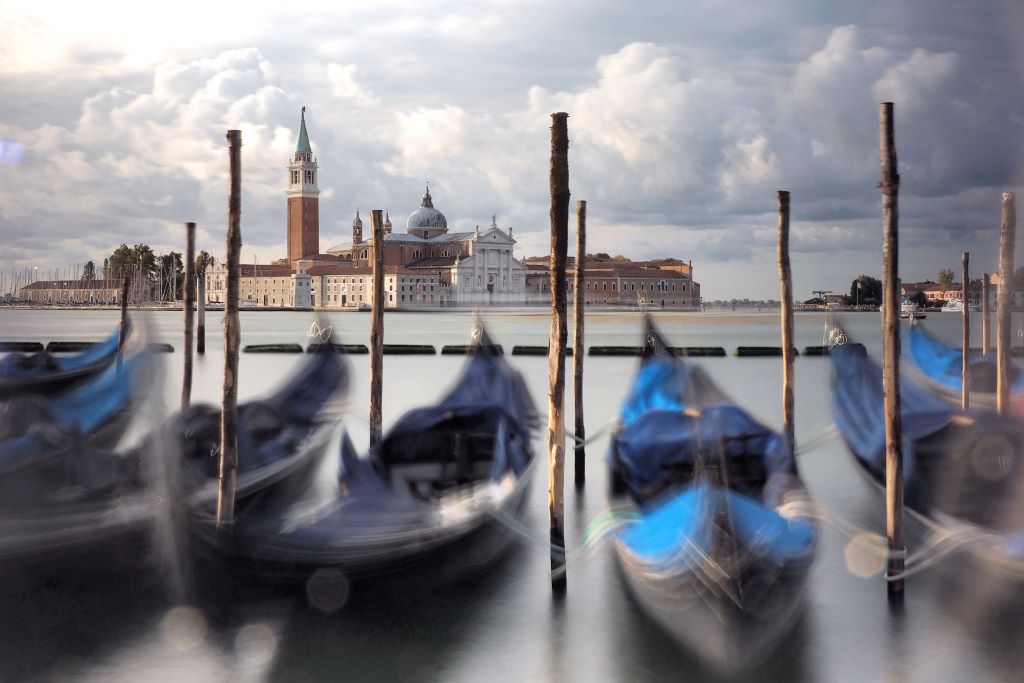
column 440, row 459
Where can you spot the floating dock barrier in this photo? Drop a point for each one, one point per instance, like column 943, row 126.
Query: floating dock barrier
column 272, row 348
column 463, row 349
column 351, row 349
column 698, row 351
column 615, row 351
column 748, row 351
column 159, row 347
column 815, row 351
column 409, row 350
column 22, row 347
column 535, row 351
column 68, row 346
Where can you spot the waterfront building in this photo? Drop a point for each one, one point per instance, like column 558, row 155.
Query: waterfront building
column 428, row 266
column 72, row 292
column 662, row 283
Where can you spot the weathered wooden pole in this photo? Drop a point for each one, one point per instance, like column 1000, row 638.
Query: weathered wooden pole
column 187, row 305
column 891, row 357
column 577, row 340
column 377, row 329
column 124, row 312
column 232, row 334
column 985, row 344
column 559, row 185
column 1004, row 301
column 965, row 348
column 786, row 283
column 201, row 313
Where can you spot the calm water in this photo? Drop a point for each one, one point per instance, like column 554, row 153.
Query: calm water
column 505, row 626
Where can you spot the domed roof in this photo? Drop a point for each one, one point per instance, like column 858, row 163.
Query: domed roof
column 426, row 216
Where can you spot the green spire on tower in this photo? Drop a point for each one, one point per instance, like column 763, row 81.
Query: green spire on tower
column 302, row 144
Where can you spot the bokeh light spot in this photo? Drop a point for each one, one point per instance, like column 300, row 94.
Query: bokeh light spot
column 327, row 590
column 184, row 628
column 865, row 554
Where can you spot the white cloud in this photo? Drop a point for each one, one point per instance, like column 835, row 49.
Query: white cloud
column 342, row 78
column 681, row 129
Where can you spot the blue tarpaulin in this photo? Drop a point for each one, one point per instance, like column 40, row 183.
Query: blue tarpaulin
column 17, row 366
column 943, row 363
column 858, row 407
column 675, row 414
column 684, row 524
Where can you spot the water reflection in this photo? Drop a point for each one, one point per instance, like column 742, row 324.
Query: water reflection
column 106, row 625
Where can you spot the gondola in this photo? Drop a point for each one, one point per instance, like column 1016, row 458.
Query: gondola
column 58, row 466
column 282, row 439
column 963, row 473
column 97, row 502
column 438, row 500
column 44, row 373
column 41, row 437
column 939, row 367
column 722, row 532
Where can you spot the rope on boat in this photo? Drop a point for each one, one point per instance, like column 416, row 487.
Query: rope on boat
column 598, row 529
column 612, row 425
column 824, row 433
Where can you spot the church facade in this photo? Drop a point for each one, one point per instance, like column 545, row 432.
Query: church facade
column 425, row 267
column 470, row 267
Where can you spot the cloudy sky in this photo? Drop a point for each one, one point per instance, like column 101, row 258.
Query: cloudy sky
column 686, row 116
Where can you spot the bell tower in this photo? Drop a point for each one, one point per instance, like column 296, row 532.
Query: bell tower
column 303, row 200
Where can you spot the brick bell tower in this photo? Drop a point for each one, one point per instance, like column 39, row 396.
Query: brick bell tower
column 303, row 200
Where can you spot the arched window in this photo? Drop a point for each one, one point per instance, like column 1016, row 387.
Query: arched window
column 365, row 253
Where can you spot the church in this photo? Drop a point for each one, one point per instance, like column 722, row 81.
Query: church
column 427, row 266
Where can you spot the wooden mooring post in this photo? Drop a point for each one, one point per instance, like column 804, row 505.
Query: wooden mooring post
column 188, row 303
column 1004, row 301
column 579, row 284
column 891, row 358
column 124, row 313
column 201, row 313
column 232, row 336
column 788, row 349
column 559, row 186
column 986, row 346
column 377, row 329
column 965, row 348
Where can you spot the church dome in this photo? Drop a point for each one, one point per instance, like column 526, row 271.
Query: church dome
column 426, row 216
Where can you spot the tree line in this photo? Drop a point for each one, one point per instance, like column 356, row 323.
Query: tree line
column 867, row 290
column 152, row 277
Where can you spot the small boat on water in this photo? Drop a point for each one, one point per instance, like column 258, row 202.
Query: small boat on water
column 439, row 500
column 938, row 366
column 724, row 533
column 963, row 473
column 908, row 310
column 957, row 306
column 45, row 373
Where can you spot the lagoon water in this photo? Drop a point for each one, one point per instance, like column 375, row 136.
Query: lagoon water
column 504, row 626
